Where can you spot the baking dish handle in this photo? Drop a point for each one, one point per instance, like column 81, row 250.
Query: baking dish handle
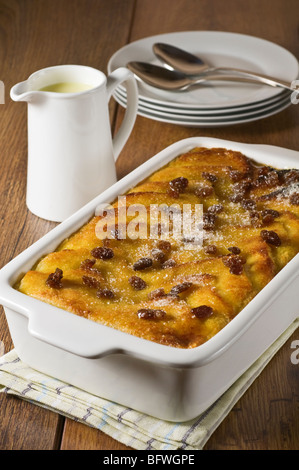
column 72, row 333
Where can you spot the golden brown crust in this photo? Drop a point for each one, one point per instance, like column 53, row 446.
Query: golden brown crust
column 251, row 219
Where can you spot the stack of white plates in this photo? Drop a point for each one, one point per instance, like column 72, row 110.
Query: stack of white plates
column 215, row 103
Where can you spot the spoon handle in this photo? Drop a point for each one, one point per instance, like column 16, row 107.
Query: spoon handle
column 239, row 77
column 267, row 80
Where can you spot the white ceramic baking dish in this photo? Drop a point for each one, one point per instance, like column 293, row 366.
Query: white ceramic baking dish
column 166, row 382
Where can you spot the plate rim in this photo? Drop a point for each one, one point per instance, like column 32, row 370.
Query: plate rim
column 238, row 109
column 217, row 123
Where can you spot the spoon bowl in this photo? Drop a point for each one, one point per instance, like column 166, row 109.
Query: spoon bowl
column 179, row 59
column 159, row 77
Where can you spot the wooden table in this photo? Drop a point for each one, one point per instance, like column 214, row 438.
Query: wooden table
column 35, row 34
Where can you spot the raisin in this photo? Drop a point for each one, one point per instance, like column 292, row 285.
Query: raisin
column 272, row 212
column 105, row 293
column 151, row 314
column 269, row 215
column 266, row 177
column 91, row 282
column 170, row 263
column 291, row 176
column 294, row 199
column 270, row 237
column 234, row 250
column 243, row 186
column 235, row 175
column 87, row 264
column 142, row 263
column 164, row 245
column 234, row 263
column 210, row 250
column 137, row 283
column 157, row 294
column 248, row 204
column 239, row 259
column 101, row 252
column 254, row 214
column 158, row 255
column 268, row 219
column 209, row 221
column 209, row 176
column 173, row 193
column 237, row 197
column 204, row 311
column 54, row 279
column 203, row 191
column 215, row 209
column 239, row 191
column 272, row 179
column 236, row 269
column 179, row 184
column 179, row 288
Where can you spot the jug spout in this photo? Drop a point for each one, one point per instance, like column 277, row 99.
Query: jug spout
column 21, row 92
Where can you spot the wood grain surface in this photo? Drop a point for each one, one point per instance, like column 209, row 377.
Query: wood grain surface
column 39, row 33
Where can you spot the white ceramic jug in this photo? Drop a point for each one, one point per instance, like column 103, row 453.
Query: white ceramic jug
column 71, row 152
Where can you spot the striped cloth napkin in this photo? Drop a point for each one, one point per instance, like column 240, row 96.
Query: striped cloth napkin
column 132, row 428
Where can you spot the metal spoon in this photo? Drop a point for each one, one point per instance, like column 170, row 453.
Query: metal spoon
column 179, row 59
column 192, row 65
column 161, row 77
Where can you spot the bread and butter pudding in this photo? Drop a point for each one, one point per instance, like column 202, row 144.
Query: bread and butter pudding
column 165, row 288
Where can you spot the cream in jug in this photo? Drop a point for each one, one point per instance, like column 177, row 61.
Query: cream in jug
column 71, row 152
column 66, row 87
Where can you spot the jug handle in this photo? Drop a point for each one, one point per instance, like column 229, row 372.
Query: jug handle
column 117, row 77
